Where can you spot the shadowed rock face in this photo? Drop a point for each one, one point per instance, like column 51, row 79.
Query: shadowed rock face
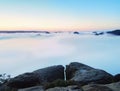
column 115, row 32
column 24, row 80
column 40, row 76
column 84, row 74
column 6, row 88
column 50, row 74
column 117, row 78
column 39, row 88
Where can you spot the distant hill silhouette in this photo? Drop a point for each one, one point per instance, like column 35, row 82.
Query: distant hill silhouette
column 115, row 32
column 24, row 32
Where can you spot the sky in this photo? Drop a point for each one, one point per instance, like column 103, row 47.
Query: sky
column 61, row 15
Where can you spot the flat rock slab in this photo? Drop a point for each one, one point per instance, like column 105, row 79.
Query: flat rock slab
column 69, row 88
column 114, row 86
column 35, row 88
column 95, row 87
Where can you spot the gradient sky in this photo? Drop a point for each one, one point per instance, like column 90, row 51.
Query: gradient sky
column 59, row 14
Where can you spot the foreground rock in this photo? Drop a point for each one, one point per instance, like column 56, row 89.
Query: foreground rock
column 24, row 80
column 115, row 32
column 69, row 88
column 6, row 88
column 99, row 87
column 89, row 87
column 117, row 78
column 84, row 74
column 40, row 76
column 95, row 87
column 114, row 86
column 35, row 88
column 77, row 74
column 39, row 88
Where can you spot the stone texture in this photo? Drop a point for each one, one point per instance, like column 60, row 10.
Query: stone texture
column 95, row 87
column 89, row 87
column 6, row 88
column 35, row 88
column 24, row 80
column 69, row 88
column 117, row 78
column 40, row 76
column 114, row 86
column 84, row 74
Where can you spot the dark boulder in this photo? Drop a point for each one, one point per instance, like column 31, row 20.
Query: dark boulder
column 6, row 88
column 50, row 74
column 84, row 74
column 115, row 32
column 40, row 76
column 24, row 80
column 117, row 78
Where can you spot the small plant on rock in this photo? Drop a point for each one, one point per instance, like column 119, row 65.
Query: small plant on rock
column 58, row 83
column 4, row 78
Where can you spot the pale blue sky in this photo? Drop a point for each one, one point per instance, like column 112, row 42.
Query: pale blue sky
column 59, row 14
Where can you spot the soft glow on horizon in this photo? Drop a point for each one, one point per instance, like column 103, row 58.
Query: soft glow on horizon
column 59, row 14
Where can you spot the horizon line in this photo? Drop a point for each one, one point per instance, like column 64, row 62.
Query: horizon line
column 59, row 30
column 45, row 31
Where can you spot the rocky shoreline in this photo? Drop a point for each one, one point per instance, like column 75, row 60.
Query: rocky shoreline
column 79, row 77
